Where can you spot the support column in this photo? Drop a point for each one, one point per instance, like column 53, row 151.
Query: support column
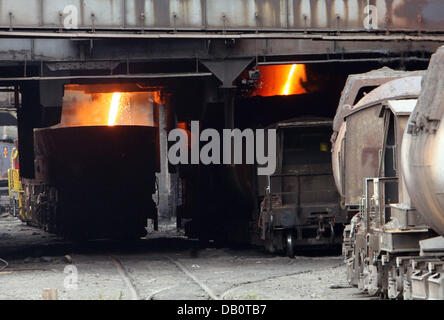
column 164, row 175
column 167, row 181
column 227, row 71
column 41, row 107
column 229, row 109
column 26, row 115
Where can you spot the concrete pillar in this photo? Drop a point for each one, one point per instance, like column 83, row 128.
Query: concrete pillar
column 229, row 95
column 164, row 176
column 168, row 182
column 26, row 115
column 229, row 112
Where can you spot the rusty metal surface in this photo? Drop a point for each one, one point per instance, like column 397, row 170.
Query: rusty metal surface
column 392, row 84
column 363, row 142
column 357, row 81
column 69, row 147
column 403, row 88
column 34, row 53
column 303, row 198
column 423, row 151
column 420, row 15
column 403, row 36
column 115, row 77
column 364, row 134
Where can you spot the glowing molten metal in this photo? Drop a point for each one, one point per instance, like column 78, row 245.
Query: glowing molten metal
column 282, row 80
column 114, row 109
column 286, row 91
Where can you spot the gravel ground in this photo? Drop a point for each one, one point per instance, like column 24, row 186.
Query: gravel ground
column 165, row 266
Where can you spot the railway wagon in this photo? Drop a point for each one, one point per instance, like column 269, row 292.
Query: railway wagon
column 393, row 246
column 301, row 208
column 8, row 134
column 296, row 208
column 90, row 172
column 92, row 181
column 6, row 149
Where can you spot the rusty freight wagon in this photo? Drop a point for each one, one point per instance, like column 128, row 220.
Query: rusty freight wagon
column 301, row 207
column 394, row 245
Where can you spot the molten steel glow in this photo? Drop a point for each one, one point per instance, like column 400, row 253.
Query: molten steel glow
column 287, row 87
column 91, row 105
column 114, row 109
column 282, row 80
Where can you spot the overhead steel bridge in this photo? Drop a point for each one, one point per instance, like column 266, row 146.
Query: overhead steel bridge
column 80, row 30
column 127, row 16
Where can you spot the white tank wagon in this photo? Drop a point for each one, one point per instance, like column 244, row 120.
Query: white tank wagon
column 423, row 147
column 423, row 171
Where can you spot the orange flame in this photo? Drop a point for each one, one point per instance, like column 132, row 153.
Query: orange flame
column 282, row 80
column 84, row 108
column 287, row 86
column 114, row 109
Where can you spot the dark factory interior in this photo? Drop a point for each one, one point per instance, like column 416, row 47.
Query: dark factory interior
column 255, row 144
column 262, row 96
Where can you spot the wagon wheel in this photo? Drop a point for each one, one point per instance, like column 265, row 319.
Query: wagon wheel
column 290, row 245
